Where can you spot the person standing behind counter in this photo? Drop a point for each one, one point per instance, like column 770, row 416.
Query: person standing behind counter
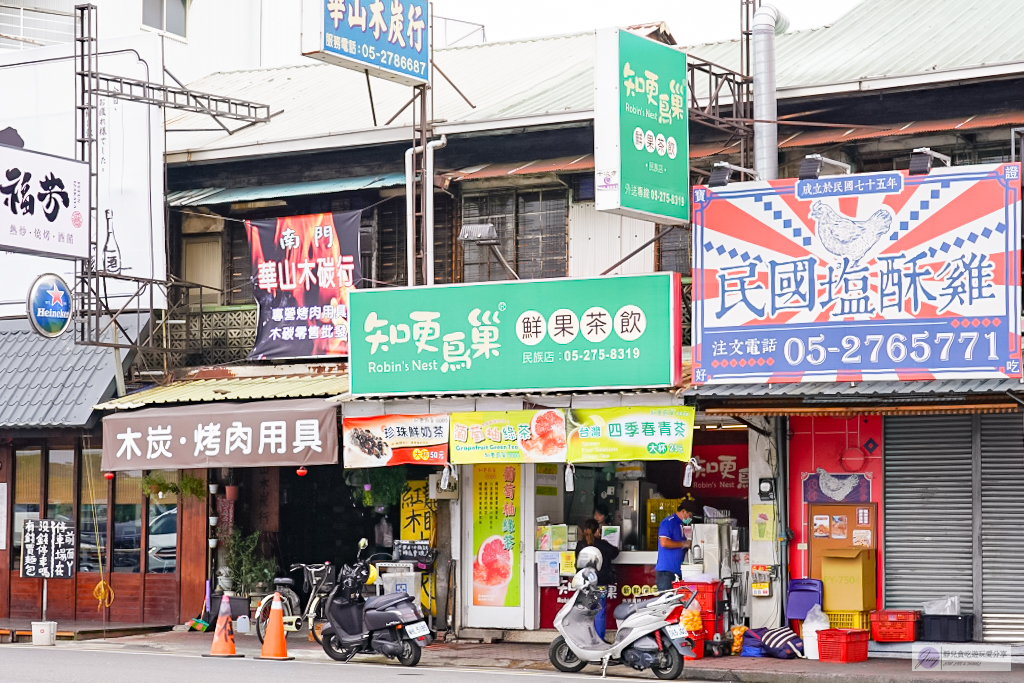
column 672, row 545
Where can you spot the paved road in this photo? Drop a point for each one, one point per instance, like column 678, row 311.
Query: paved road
column 27, row 664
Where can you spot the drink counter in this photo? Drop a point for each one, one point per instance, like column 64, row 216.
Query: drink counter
column 634, row 580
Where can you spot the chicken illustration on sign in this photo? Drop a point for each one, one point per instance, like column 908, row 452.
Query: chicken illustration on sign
column 882, row 276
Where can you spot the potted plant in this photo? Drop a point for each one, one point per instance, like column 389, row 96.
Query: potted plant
column 248, row 569
column 154, row 484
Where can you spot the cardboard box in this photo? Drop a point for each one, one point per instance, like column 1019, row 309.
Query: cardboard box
column 849, row 580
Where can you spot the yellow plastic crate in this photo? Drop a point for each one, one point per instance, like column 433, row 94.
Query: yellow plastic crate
column 657, row 510
column 859, row 620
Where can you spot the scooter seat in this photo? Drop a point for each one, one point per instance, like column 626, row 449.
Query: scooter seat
column 625, row 609
column 385, row 601
column 284, row 582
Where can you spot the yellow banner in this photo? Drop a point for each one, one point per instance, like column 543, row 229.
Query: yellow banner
column 624, row 434
column 512, row 436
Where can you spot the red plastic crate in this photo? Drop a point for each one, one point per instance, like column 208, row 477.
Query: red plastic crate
column 707, row 593
column 698, row 639
column 894, row 626
column 712, row 625
column 843, row 645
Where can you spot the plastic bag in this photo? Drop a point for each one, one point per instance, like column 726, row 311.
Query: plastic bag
column 948, row 605
column 816, row 621
column 692, row 620
column 737, row 639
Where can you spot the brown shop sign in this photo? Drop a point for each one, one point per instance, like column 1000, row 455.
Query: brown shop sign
column 254, row 434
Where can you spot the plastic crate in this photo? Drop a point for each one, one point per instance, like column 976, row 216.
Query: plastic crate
column 843, row 645
column 712, row 625
column 849, row 620
column 894, row 626
column 947, row 628
column 698, row 639
column 707, row 593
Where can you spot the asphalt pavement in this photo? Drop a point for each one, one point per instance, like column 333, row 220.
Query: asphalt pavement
column 81, row 664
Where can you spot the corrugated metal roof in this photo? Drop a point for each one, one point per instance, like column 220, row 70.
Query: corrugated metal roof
column 858, row 389
column 251, row 194
column 50, row 382
column 880, row 39
column 323, row 106
column 233, row 389
column 520, row 168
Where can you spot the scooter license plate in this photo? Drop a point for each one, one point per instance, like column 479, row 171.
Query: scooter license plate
column 417, row 629
column 675, row 631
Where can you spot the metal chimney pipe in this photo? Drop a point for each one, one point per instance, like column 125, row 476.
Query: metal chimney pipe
column 410, row 213
column 768, row 22
column 428, row 211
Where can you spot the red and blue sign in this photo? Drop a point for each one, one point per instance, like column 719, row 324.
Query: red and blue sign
column 49, row 305
column 877, row 276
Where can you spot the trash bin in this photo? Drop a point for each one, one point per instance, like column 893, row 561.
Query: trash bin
column 403, row 582
column 44, row 632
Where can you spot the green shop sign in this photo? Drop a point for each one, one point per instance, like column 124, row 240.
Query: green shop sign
column 641, row 148
column 592, row 333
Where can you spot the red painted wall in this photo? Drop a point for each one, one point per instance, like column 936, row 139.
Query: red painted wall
column 819, row 442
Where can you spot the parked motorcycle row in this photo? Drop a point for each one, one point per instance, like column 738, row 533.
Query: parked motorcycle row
column 649, row 634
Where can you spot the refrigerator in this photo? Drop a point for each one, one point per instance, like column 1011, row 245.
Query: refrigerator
column 633, row 496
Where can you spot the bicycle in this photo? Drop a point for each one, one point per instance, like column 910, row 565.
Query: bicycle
column 318, row 580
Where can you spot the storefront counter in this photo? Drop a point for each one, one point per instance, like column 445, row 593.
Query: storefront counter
column 634, row 580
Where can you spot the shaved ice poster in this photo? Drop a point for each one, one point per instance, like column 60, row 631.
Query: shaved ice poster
column 618, row 434
column 872, row 276
column 496, row 535
column 509, row 436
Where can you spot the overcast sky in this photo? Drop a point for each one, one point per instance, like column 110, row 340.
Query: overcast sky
column 691, row 21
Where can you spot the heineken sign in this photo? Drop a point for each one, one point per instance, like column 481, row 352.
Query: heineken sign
column 641, row 149
column 593, row 333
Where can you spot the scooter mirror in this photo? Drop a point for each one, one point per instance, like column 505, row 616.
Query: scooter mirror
column 362, row 544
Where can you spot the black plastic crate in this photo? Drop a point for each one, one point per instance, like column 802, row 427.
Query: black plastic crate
column 946, row 628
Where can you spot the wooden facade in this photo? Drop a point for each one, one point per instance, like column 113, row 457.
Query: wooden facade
column 140, row 596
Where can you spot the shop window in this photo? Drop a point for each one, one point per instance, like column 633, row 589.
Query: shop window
column 60, row 485
column 127, row 521
column 532, row 231
column 674, row 251
column 541, row 235
column 165, row 15
column 27, row 496
column 92, row 516
column 162, row 532
column 239, row 275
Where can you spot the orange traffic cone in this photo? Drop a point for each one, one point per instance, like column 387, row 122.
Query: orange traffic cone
column 224, row 636
column 274, row 645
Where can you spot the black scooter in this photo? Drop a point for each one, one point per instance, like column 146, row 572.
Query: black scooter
column 391, row 625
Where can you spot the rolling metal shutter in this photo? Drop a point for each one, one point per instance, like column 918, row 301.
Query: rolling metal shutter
column 928, row 543
column 1002, row 524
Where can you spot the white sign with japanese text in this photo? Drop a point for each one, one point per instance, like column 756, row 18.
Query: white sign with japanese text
column 40, row 109
column 255, row 434
column 43, row 204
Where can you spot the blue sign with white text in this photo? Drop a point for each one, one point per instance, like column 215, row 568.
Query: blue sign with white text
column 49, row 305
column 389, row 39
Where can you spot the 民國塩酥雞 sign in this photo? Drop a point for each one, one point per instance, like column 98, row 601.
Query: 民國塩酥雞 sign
column 386, row 38
column 607, row 332
column 874, row 276
column 641, row 148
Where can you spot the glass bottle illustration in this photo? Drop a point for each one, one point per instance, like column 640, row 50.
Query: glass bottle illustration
column 111, row 252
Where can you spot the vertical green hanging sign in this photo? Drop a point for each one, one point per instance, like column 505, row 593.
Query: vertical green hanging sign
column 641, row 145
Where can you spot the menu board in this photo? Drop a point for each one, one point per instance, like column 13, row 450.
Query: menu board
column 48, row 549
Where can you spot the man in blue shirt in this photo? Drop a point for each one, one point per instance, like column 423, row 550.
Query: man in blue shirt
column 672, row 546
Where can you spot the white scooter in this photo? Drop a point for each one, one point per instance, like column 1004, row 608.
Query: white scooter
column 649, row 635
